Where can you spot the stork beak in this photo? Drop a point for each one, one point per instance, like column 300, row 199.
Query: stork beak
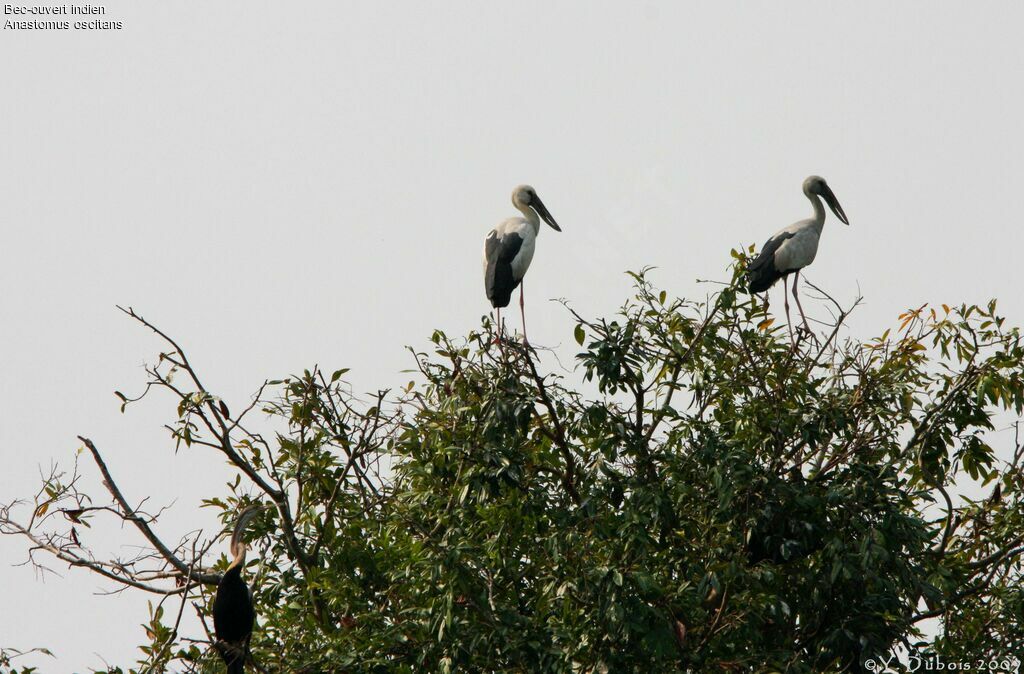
column 833, row 203
column 542, row 211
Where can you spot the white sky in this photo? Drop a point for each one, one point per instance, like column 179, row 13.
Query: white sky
column 279, row 187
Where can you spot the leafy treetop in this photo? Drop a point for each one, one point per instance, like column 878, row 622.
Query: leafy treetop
column 713, row 496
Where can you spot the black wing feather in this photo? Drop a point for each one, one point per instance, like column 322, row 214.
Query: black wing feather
column 499, row 281
column 761, row 272
column 233, row 617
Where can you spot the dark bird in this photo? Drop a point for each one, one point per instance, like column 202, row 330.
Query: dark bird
column 509, row 248
column 794, row 247
column 233, row 613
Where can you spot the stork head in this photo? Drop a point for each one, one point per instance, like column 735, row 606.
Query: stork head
column 817, row 185
column 524, row 197
column 238, row 547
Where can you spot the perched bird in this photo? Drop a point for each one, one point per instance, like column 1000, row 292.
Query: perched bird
column 233, row 613
column 508, row 251
column 794, row 247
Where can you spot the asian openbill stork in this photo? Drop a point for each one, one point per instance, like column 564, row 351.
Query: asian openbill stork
column 508, row 251
column 233, row 613
column 792, row 248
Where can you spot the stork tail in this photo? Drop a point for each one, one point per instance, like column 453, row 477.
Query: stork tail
column 763, row 278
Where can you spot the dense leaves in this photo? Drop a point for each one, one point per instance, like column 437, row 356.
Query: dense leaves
column 704, row 492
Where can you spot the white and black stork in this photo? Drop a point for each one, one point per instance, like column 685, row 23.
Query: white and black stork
column 508, row 251
column 794, row 247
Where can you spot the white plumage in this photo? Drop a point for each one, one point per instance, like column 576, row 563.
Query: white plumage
column 801, row 246
column 525, row 231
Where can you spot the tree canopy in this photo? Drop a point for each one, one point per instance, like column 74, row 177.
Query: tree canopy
column 701, row 492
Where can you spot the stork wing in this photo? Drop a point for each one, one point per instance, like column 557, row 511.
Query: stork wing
column 762, row 272
column 499, row 281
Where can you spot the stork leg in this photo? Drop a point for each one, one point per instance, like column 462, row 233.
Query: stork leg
column 497, row 333
column 796, row 296
column 785, row 299
column 522, row 312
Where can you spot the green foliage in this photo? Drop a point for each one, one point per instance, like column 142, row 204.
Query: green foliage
column 712, row 496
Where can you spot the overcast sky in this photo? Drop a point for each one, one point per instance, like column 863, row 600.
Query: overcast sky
column 279, row 187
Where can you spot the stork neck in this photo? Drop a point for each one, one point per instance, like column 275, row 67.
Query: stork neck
column 239, row 559
column 819, row 210
column 531, row 217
